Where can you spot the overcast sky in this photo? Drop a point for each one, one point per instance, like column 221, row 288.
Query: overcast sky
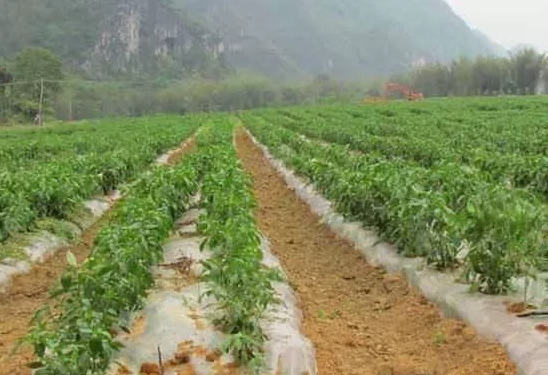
column 507, row 22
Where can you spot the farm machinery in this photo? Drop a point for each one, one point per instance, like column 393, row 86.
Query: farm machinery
column 391, row 87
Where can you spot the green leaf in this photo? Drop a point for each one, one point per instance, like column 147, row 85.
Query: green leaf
column 71, row 259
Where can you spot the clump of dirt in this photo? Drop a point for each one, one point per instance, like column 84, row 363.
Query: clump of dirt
column 123, row 370
column 542, row 328
column 361, row 320
column 181, row 265
column 181, row 363
column 149, row 368
column 519, row 307
column 137, row 327
column 186, row 147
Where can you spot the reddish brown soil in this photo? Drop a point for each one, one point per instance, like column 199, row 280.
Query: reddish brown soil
column 361, row 320
column 28, row 292
column 186, row 147
column 181, row 363
column 519, row 307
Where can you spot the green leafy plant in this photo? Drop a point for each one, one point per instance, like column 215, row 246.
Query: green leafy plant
column 448, row 212
column 237, row 280
column 75, row 337
column 49, row 172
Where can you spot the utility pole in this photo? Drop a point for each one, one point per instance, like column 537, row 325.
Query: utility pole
column 40, row 103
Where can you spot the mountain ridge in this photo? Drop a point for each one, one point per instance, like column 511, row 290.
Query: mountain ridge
column 280, row 39
column 343, row 38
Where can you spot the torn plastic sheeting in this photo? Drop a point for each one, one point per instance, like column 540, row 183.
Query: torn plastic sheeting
column 98, row 206
column 171, row 318
column 187, row 248
column 190, row 217
column 525, row 346
column 9, row 270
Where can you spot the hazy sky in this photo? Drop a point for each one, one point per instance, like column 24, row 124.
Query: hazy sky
column 507, row 22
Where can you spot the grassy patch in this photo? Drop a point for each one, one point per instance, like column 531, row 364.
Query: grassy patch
column 59, row 228
column 13, row 248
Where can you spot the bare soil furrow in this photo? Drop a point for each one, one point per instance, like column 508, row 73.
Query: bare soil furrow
column 362, row 320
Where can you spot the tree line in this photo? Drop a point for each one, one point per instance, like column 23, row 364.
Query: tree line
column 69, row 97
column 523, row 72
column 35, row 74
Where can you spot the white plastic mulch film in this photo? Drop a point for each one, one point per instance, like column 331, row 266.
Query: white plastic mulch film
column 177, row 320
column 526, row 346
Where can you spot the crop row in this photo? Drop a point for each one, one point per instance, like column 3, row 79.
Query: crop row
column 26, row 148
column 521, row 171
column 239, row 283
column 75, row 336
column 99, row 164
column 445, row 213
column 506, row 126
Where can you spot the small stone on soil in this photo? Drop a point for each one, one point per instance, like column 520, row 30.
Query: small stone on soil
column 148, row 368
column 181, row 358
column 212, row 356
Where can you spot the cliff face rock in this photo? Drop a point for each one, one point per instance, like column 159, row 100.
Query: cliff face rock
column 111, row 38
column 282, row 39
column 146, row 35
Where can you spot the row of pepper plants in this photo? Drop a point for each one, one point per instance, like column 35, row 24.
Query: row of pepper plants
column 506, row 125
column 99, row 158
column 237, row 280
column 510, row 157
column 447, row 214
column 26, row 147
column 75, row 335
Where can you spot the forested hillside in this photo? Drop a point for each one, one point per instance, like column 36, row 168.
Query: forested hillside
column 277, row 38
column 111, row 38
column 342, row 38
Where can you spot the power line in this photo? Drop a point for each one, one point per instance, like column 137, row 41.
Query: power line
column 33, row 82
column 80, row 81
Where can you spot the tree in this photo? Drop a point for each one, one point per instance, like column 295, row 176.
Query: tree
column 31, row 66
column 433, row 80
column 527, row 65
column 5, row 78
column 489, row 75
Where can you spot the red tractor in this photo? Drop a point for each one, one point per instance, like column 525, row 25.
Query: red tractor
column 407, row 92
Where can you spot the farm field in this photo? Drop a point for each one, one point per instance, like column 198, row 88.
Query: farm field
column 47, row 173
column 460, row 183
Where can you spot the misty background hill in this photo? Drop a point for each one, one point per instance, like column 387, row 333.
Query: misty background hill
column 341, row 38
column 286, row 39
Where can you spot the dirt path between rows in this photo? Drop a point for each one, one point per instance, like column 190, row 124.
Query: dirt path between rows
column 186, row 147
column 361, row 320
column 28, row 292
